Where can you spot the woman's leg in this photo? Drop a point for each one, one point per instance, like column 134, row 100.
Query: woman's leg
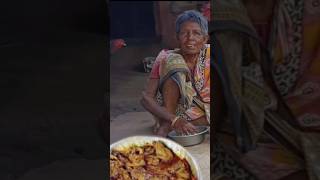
column 171, row 95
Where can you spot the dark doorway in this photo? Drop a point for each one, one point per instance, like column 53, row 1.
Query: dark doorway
column 132, row 20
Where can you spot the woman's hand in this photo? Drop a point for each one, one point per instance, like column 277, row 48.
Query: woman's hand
column 184, row 127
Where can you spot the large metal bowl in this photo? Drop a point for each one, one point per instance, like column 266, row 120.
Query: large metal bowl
column 176, row 148
column 190, row 140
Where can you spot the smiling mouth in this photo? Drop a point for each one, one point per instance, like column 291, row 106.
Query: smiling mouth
column 190, row 46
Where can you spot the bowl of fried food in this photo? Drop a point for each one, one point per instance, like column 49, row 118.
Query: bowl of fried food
column 190, row 139
column 151, row 158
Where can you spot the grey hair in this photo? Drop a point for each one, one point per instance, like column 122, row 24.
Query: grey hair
column 193, row 16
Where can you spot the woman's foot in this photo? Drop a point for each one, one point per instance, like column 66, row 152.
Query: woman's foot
column 163, row 130
column 156, row 127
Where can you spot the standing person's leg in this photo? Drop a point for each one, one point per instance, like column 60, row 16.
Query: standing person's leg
column 171, row 96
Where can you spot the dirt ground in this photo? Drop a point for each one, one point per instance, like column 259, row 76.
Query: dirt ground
column 127, row 78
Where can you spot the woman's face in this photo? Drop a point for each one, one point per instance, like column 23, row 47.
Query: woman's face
column 191, row 38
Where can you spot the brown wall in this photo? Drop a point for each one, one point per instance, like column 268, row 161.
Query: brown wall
column 166, row 25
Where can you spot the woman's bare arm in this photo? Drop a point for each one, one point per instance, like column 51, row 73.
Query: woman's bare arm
column 148, row 101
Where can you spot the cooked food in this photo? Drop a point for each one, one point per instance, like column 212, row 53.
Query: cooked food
column 153, row 161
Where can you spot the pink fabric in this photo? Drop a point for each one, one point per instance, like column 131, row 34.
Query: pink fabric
column 270, row 161
column 304, row 99
column 155, row 72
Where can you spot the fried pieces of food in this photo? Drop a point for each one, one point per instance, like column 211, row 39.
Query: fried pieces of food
column 153, row 161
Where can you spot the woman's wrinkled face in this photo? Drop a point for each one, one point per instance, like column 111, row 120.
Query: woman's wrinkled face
column 191, row 38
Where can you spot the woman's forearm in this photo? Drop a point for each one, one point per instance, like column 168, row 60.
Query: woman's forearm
column 154, row 108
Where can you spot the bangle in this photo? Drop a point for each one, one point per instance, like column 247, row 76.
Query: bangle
column 174, row 121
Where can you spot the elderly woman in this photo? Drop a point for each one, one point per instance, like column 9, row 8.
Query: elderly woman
column 178, row 90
